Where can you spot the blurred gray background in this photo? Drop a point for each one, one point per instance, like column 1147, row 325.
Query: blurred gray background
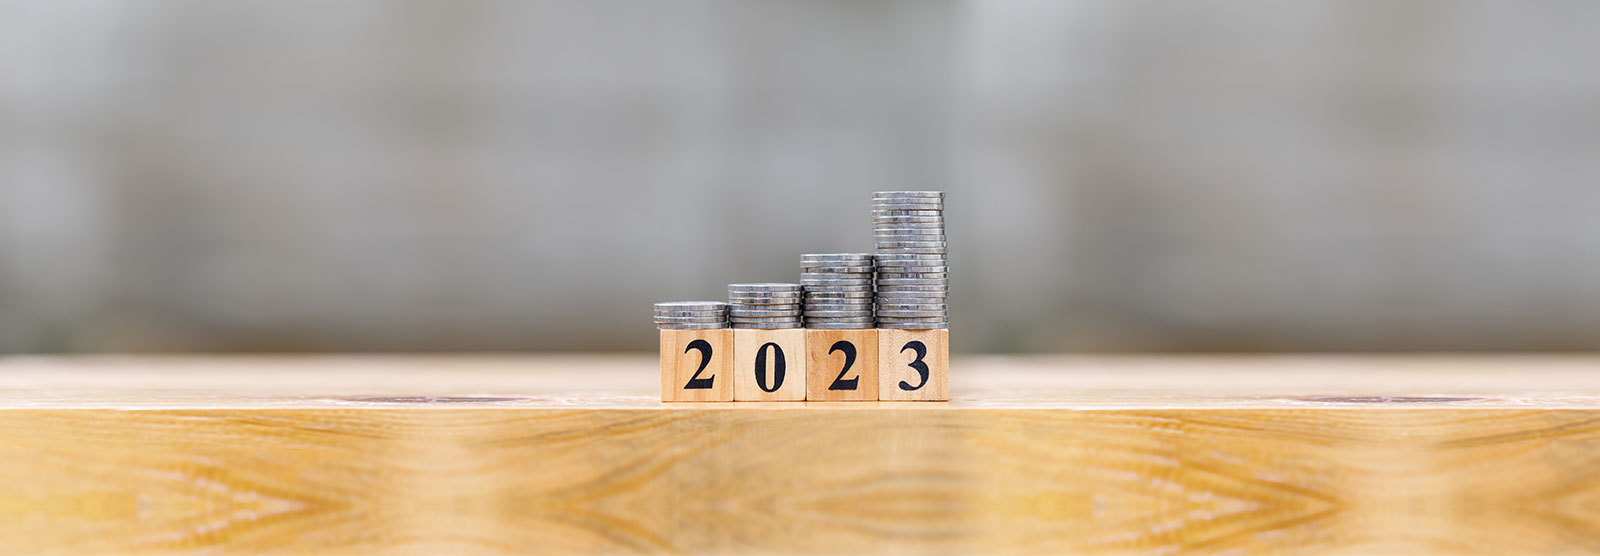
column 296, row 175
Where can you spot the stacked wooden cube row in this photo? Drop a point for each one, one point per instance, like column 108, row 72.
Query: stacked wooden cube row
column 805, row 365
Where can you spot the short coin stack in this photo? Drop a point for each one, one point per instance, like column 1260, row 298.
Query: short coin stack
column 764, row 306
column 913, row 261
column 692, row 315
column 838, row 288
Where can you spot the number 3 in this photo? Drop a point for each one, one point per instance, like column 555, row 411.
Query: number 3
column 918, row 364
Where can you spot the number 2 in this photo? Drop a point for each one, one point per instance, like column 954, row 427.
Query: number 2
column 918, row 364
column 695, row 382
column 839, row 382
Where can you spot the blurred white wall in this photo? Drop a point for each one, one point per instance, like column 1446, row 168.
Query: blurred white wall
column 509, row 175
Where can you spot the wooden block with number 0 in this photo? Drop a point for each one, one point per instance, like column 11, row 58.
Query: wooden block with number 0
column 914, row 365
column 769, row 365
column 695, row 365
column 841, row 365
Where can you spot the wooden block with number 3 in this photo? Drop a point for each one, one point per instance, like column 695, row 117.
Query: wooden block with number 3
column 769, row 365
column 914, row 365
column 841, row 365
column 695, row 365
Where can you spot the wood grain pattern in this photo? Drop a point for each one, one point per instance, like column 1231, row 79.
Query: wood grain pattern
column 508, row 455
column 747, row 344
column 899, row 380
column 682, row 362
column 826, row 366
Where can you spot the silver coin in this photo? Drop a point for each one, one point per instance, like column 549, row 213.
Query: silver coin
column 913, row 281
column 836, row 257
column 764, row 295
column 825, row 297
column 908, row 206
column 830, row 288
column 840, row 325
column 763, row 287
column 836, row 276
column 856, row 319
column 881, row 223
column 913, row 275
column 876, row 211
column 891, row 314
column 901, row 269
column 912, row 267
column 860, row 312
column 908, row 257
column 759, row 313
column 905, row 232
column 764, row 318
column 895, row 318
column 901, row 194
column 896, row 244
column 942, row 325
column 879, row 241
column 814, row 282
column 919, row 250
column 688, row 320
column 940, row 308
column 838, row 305
column 838, row 269
column 767, row 326
column 916, row 281
column 913, row 229
column 691, row 314
column 909, row 289
column 691, row 326
column 684, row 305
column 787, row 300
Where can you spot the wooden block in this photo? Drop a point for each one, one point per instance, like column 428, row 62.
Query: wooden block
column 695, row 365
column 769, row 365
column 841, row 365
column 914, row 365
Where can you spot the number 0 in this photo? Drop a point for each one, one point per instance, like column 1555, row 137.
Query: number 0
column 777, row 367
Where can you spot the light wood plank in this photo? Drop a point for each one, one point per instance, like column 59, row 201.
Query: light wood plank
column 572, row 456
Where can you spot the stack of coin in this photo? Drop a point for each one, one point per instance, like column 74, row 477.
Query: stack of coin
column 913, row 262
column 764, row 306
column 838, row 290
column 691, row 315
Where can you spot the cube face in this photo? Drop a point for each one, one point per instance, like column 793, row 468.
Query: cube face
column 842, row 365
column 914, row 365
column 769, row 365
column 695, row 365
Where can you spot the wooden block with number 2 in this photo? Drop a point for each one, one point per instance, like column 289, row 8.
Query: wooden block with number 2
column 914, row 365
column 841, row 365
column 695, row 365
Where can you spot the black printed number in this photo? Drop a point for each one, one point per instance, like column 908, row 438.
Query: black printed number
column 777, row 367
column 919, row 365
column 840, row 382
column 696, row 382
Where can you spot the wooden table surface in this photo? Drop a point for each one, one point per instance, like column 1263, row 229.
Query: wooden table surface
column 575, row 455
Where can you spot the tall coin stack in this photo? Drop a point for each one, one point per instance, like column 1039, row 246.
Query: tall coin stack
column 764, row 306
column 838, row 288
column 913, row 261
column 692, row 315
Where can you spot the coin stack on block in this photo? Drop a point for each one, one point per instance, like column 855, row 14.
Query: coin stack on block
column 764, row 306
column 692, row 315
column 838, row 290
column 912, row 260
